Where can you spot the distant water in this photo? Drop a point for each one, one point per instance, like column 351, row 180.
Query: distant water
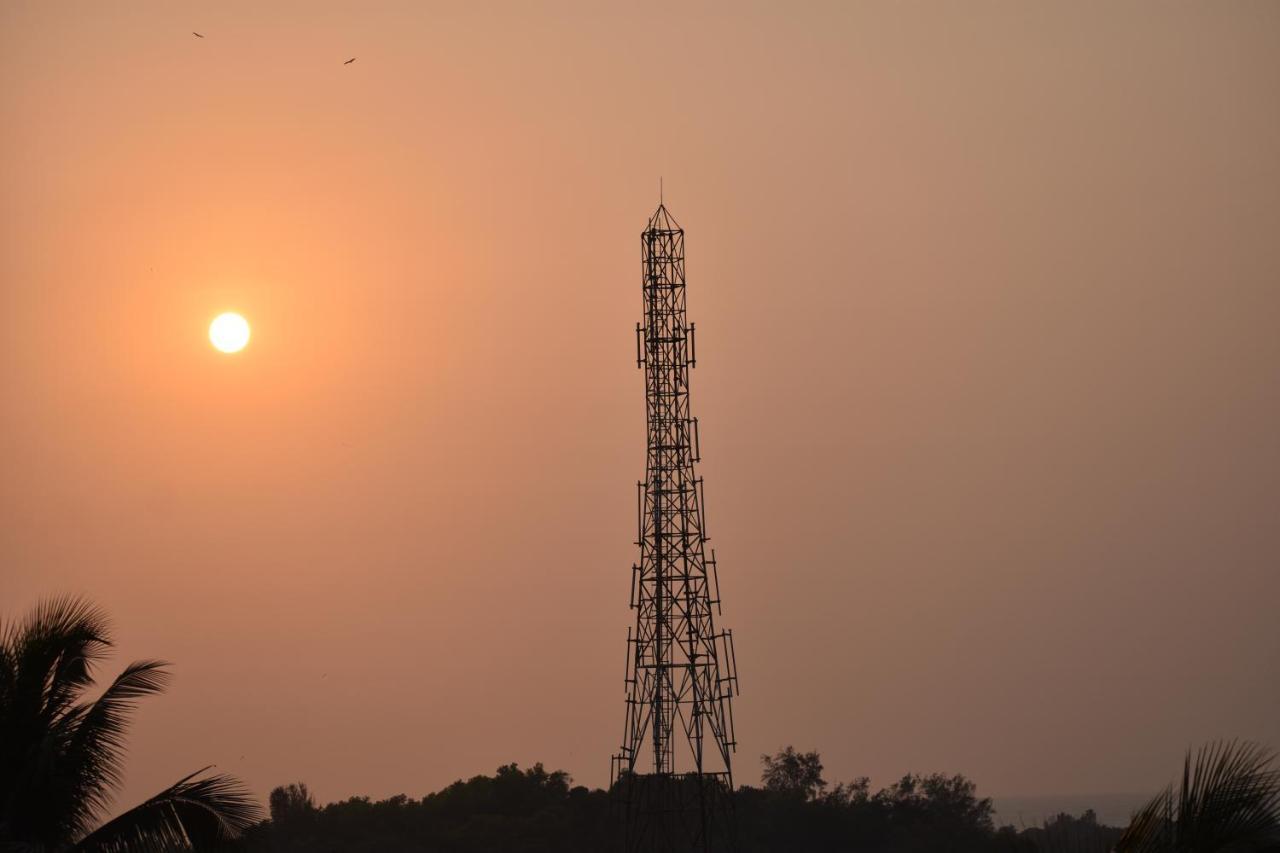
column 1112, row 809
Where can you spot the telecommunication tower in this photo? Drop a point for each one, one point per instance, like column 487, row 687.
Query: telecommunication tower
column 672, row 777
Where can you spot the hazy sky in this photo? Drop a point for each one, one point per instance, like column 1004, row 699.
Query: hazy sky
column 987, row 300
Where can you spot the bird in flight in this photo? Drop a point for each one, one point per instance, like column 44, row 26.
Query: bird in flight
column 196, row 34
column 349, row 61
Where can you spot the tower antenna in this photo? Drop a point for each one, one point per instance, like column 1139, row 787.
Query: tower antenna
column 672, row 776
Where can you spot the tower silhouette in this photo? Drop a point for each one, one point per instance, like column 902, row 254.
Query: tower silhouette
column 673, row 777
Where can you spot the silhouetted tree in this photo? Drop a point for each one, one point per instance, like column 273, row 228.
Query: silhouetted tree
column 795, row 773
column 1228, row 800
column 795, row 811
column 939, row 801
column 291, row 802
column 61, row 755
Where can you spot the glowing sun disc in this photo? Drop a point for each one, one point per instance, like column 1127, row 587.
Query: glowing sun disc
column 229, row 332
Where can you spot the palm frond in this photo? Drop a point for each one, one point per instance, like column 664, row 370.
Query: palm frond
column 1228, row 799
column 72, row 769
column 192, row 814
column 95, row 748
column 1151, row 828
column 1230, row 795
column 54, row 650
column 46, row 663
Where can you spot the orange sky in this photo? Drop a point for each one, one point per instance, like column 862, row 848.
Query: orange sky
column 988, row 378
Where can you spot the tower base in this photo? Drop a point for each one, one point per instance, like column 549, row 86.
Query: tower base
column 675, row 812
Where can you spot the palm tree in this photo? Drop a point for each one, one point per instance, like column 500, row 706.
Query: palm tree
column 61, row 754
column 1228, row 800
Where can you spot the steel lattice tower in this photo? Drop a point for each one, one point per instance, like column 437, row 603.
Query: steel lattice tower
column 672, row 776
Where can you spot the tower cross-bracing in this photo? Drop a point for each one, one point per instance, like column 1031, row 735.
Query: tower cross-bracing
column 673, row 773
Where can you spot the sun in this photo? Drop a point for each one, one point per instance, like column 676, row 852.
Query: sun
column 229, row 332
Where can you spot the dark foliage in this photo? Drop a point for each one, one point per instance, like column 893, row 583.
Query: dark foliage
column 525, row 810
column 937, row 812
column 796, row 773
column 291, row 803
column 61, row 753
column 1068, row 834
column 1227, row 800
column 534, row 810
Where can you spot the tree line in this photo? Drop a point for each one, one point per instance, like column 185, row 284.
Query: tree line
column 793, row 809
